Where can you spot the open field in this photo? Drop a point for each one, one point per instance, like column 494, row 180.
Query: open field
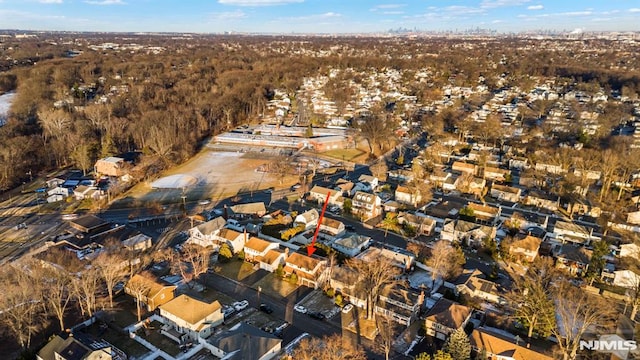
column 218, row 175
column 353, row 155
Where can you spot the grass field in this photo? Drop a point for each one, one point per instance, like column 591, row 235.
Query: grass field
column 236, row 270
column 273, row 286
column 353, row 155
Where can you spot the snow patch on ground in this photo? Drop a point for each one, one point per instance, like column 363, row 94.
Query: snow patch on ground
column 5, row 104
column 179, row 181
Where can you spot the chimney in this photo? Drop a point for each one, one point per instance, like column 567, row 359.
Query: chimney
column 286, row 251
column 246, row 238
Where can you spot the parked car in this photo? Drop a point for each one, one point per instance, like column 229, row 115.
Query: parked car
column 349, row 228
column 240, row 305
column 204, row 202
column 266, row 308
column 301, row 309
column 347, row 308
column 228, row 311
column 317, row 315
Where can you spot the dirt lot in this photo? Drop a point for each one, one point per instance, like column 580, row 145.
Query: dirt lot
column 218, row 174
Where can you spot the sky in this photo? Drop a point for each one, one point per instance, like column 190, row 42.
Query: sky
column 318, row 16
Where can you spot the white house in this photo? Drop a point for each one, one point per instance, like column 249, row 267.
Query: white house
column 505, row 193
column 308, row 270
column 204, row 234
column 308, row 218
column 370, row 182
column 255, row 249
column 366, row 205
column 190, row 318
column 319, row 194
column 352, row 244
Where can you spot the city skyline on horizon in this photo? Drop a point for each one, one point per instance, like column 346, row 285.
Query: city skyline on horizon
column 315, row 16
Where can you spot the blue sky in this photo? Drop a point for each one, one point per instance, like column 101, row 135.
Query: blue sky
column 318, row 16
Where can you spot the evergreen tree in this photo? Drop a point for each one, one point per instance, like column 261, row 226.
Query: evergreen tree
column 442, row 355
column 458, row 345
column 423, row 356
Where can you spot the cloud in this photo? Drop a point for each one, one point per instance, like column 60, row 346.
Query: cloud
column 634, row 10
column 50, row 1
column 228, row 15
column 258, row 2
column 315, row 17
column 489, row 4
column 393, row 12
column 464, row 10
column 535, row 7
column 105, row 2
column 387, row 7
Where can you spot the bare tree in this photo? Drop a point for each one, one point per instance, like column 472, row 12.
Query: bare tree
column 379, row 170
column 576, row 312
column 85, row 287
column 20, row 304
column 112, row 268
column 333, row 347
column 55, row 290
column 198, row 257
column 138, row 288
column 444, row 261
column 387, row 334
column 375, row 274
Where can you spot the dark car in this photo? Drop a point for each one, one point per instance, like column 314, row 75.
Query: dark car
column 349, row 228
column 317, row 315
column 266, row 308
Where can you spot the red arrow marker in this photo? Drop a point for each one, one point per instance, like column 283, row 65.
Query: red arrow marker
column 312, row 248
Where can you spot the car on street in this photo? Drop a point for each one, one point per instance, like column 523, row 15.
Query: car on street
column 317, row 315
column 228, row 311
column 204, row 202
column 240, row 305
column 266, row 308
column 349, row 228
column 301, row 309
column 347, row 308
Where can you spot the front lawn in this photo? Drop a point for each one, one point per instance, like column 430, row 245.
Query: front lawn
column 274, row 286
column 235, row 269
column 158, row 340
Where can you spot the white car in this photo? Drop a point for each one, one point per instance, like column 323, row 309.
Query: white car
column 347, row 308
column 204, row 202
column 240, row 305
column 301, row 309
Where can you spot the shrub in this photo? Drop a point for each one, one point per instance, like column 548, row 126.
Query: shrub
column 331, row 292
column 338, row 300
column 293, row 279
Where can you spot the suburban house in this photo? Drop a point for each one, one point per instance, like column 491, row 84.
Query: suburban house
column 500, row 347
column 233, row 238
column 472, row 234
column 484, row 213
column 399, row 304
column 573, row 258
column 247, row 211
column 473, row 284
column 542, row 200
column 423, row 224
column 79, row 346
column 255, row 249
column 519, row 163
column 496, row 174
column 505, row 193
column 463, row 167
column 308, row 219
column 471, row 185
column 244, row 341
column 332, row 227
column 190, row 318
column 90, row 224
column 366, row 205
column 351, row 244
column 630, row 250
column 525, row 248
column 204, row 234
column 344, row 280
column 86, row 192
column 550, row 168
column 309, row 270
column 565, row 231
column 319, row 194
column 347, row 188
column 371, row 182
column 624, row 278
column 110, row 166
column 405, row 196
column 400, row 258
column 446, row 317
column 157, row 292
column 273, row 259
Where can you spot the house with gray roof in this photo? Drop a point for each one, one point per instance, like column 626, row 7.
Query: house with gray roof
column 244, row 341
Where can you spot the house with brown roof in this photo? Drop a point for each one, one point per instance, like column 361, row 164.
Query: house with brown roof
column 499, row 347
column 463, row 167
column 446, row 317
column 247, row 210
column 574, row 259
column 496, row 174
column 485, row 213
column 405, row 196
column 525, row 248
column 110, row 166
column 256, row 249
column 465, row 231
column 332, row 227
column 423, row 224
column 471, row 185
column 158, row 291
column 319, row 194
column 187, row 317
column 505, row 193
column 399, row 304
column 542, row 200
column 273, row 259
column 309, row 270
